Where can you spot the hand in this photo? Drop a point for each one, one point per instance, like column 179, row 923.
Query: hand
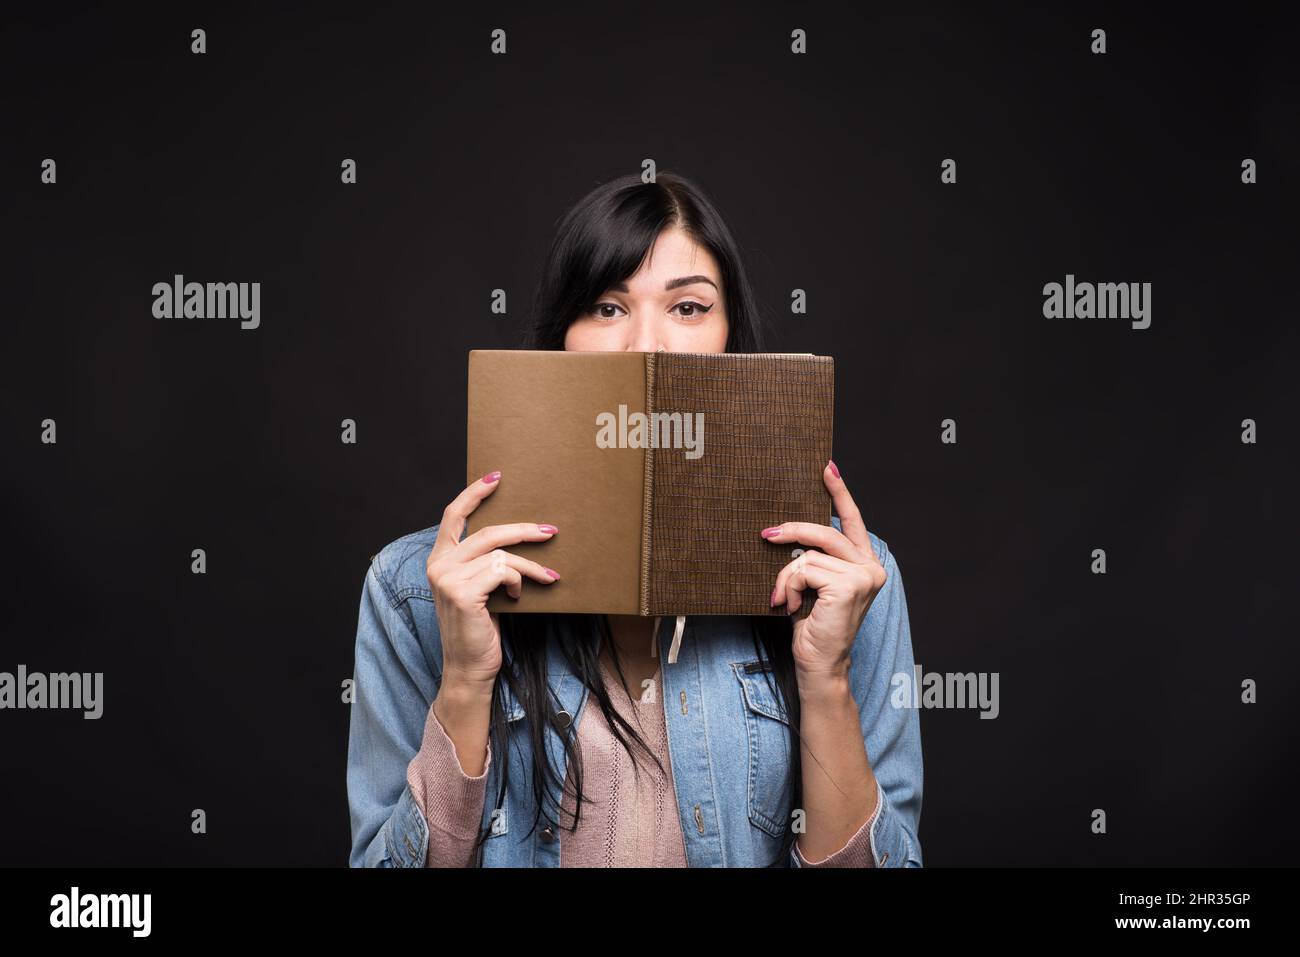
column 463, row 573
column 846, row 574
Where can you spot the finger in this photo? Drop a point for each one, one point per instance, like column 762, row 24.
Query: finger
column 455, row 515
column 873, row 573
column 488, row 572
column 868, row 577
column 779, row 595
column 489, row 579
column 837, row 566
column 850, row 518
column 826, row 537
column 778, row 590
column 805, row 575
column 495, row 536
column 790, row 591
column 525, row 566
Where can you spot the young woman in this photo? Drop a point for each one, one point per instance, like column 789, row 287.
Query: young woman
column 535, row 740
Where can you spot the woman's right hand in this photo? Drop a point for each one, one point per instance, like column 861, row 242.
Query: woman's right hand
column 463, row 573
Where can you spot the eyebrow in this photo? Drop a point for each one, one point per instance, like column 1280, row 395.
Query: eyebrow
column 671, row 283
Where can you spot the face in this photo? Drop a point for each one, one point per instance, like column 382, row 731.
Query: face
column 674, row 303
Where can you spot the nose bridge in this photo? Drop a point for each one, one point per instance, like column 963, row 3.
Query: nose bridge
column 645, row 335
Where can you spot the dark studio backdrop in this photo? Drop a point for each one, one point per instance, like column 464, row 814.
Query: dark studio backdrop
column 223, row 691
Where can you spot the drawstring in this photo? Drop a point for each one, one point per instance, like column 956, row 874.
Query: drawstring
column 677, row 639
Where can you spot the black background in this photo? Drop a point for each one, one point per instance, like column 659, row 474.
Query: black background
column 223, row 691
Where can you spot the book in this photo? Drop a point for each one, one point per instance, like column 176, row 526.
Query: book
column 659, row 469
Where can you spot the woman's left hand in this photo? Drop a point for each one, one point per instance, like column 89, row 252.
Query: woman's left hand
column 843, row 568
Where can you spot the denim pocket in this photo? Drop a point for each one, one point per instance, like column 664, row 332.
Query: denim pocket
column 768, row 728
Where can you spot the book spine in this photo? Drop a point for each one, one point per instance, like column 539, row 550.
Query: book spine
column 647, row 488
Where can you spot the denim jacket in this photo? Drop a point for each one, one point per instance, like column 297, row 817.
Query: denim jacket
column 728, row 734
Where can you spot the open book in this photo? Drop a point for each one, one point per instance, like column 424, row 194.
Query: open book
column 658, row 468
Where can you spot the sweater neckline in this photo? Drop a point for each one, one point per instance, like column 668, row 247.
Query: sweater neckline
column 612, row 682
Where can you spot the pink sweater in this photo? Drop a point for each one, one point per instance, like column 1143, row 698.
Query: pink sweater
column 632, row 818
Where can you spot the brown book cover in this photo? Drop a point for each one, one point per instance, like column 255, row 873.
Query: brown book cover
column 659, row 469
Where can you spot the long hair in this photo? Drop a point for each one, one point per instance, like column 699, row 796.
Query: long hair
column 600, row 241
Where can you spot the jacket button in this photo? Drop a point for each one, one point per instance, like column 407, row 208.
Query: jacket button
column 564, row 718
column 547, row 835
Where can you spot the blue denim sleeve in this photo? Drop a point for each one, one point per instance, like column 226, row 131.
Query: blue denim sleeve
column 392, row 687
column 882, row 650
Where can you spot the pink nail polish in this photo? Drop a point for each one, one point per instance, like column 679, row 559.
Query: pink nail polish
column 553, row 573
column 773, row 531
column 491, row 477
column 549, row 529
column 835, row 469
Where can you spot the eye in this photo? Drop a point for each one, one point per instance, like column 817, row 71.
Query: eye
column 697, row 309
column 597, row 311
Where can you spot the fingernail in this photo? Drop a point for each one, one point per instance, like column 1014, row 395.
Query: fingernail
column 771, row 532
column 835, row 469
column 491, row 477
column 772, row 601
column 549, row 529
column 553, row 573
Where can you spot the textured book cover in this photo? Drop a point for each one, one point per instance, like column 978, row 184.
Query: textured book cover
column 658, row 468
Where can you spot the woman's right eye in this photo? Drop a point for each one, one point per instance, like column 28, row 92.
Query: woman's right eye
column 598, row 311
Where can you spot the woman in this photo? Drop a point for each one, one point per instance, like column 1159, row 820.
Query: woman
column 572, row 740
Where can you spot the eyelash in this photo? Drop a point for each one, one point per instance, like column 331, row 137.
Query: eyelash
column 701, row 310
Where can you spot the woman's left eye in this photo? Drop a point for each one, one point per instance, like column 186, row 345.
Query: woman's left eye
column 697, row 309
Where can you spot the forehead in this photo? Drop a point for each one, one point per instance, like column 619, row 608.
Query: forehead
column 675, row 254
